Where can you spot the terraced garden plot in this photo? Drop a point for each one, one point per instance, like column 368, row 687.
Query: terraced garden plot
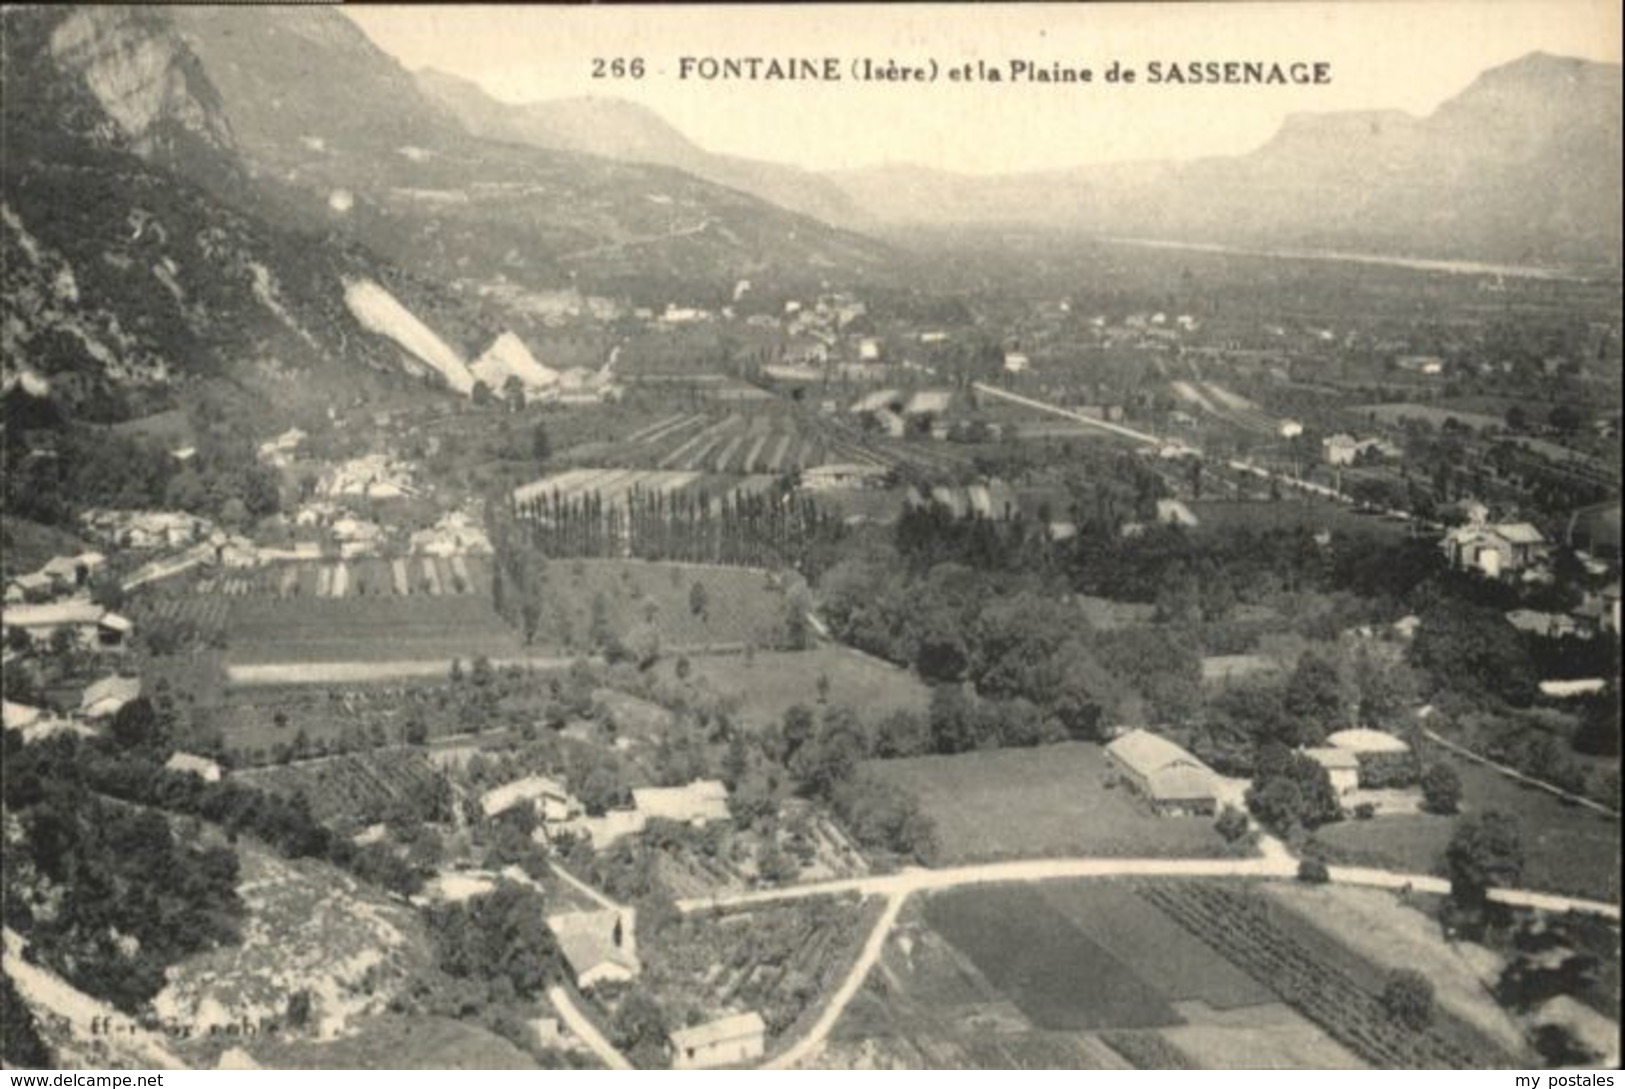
column 356, row 787
column 1059, row 977
column 776, row 959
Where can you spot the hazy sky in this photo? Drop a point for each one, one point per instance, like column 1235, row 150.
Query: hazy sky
column 1404, row 55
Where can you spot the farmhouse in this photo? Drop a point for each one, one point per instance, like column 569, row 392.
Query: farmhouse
column 1175, row 782
column 698, row 803
column 726, row 1041
column 188, row 764
column 1342, row 767
column 105, row 697
column 90, row 625
column 1221, row 669
column 551, row 801
column 614, row 826
column 1494, row 549
column 31, row 587
column 36, row 724
column 1173, row 512
column 599, row 946
column 842, row 475
column 66, row 573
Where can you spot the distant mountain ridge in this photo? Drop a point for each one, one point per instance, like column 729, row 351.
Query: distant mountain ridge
column 1523, row 165
column 626, row 131
column 341, row 136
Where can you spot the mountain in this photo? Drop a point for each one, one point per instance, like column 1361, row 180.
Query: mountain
column 140, row 261
column 1523, row 165
column 627, row 132
column 336, row 133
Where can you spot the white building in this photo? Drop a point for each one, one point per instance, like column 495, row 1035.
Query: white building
column 727, row 1041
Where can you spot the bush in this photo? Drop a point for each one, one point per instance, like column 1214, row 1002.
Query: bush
column 1441, row 789
column 1364, row 811
column 1407, row 998
column 1395, row 770
column 1312, row 871
column 1232, row 824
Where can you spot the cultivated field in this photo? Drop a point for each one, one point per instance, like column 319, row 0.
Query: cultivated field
column 301, row 631
column 1566, row 848
column 769, row 442
column 413, row 576
column 1081, row 975
column 1051, row 800
column 1318, row 976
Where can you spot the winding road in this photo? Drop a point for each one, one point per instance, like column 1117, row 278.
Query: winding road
column 1274, row 862
column 583, row 1027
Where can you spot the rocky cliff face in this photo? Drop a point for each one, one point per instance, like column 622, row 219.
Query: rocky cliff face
column 137, row 261
column 142, row 75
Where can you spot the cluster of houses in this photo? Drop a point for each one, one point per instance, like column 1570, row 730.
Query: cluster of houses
column 558, row 811
column 58, row 576
column 147, row 529
column 600, row 943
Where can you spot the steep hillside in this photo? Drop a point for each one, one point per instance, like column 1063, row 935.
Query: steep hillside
column 338, row 133
column 627, row 132
column 1523, row 165
column 128, row 289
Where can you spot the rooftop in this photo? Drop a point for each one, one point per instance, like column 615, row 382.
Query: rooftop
column 719, row 1031
column 1364, row 739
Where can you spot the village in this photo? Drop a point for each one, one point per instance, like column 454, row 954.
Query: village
column 502, row 584
column 582, row 690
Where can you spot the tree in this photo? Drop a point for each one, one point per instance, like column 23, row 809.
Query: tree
column 1232, row 824
column 639, row 1029
column 952, row 719
column 1290, row 791
column 1407, row 997
column 1561, row 1047
column 136, row 725
column 541, row 445
column 698, row 598
column 1441, row 789
column 1485, row 852
column 480, row 394
column 20, row 1044
column 831, row 756
column 1314, row 696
